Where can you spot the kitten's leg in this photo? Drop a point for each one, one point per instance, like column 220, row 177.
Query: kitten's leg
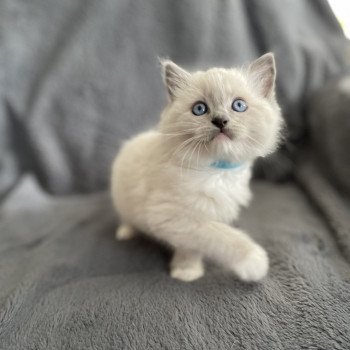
column 124, row 232
column 186, row 265
column 226, row 245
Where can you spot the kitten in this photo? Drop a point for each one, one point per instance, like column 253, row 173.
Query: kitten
column 184, row 182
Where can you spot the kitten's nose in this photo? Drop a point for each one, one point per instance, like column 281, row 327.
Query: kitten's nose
column 220, row 122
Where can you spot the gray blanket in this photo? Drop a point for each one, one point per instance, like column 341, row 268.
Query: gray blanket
column 76, row 79
column 67, row 284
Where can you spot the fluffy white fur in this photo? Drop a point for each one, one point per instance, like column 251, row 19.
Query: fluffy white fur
column 162, row 181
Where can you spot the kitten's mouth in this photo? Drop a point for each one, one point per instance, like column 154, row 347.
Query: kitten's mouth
column 223, row 134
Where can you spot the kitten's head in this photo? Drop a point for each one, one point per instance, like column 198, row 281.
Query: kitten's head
column 222, row 114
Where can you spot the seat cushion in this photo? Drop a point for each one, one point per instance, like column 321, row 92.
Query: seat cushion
column 67, row 283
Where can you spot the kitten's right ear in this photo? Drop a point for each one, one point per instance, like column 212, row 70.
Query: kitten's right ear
column 174, row 76
column 263, row 73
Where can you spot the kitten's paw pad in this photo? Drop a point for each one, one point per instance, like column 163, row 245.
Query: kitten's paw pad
column 124, row 233
column 254, row 266
column 187, row 274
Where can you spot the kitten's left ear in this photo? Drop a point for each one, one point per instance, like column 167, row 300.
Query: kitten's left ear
column 263, row 73
column 174, row 77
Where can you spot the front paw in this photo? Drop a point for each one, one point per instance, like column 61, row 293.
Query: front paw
column 124, row 233
column 188, row 273
column 254, row 266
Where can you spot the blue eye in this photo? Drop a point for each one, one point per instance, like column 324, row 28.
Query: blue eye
column 199, row 108
column 239, row 105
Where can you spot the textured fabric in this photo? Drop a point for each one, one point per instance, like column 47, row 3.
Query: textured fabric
column 80, row 76
column 9, row 165
column 334, row 205
column 67, row 284
column 324, row 167
column 329, row 123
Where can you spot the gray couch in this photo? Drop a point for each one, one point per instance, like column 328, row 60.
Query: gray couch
column 79, row 77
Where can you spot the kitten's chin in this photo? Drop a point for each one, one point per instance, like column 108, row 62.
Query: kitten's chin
column 222, row 136
column 221, row 146
column 221, row 142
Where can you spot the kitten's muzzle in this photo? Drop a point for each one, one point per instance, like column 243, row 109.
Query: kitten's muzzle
column 220, row 122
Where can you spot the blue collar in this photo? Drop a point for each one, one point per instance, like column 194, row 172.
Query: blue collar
column 224, row 164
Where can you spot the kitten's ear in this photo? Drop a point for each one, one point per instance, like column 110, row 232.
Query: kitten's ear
column 263, row 73
column 174, row 77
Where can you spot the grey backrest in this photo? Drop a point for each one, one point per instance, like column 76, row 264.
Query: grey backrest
column 79, row 77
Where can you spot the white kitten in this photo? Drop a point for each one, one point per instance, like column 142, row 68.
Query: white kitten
column 184, row 182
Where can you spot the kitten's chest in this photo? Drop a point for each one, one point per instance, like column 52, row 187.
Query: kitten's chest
column 217, row 193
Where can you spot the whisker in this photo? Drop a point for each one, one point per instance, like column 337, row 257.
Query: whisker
column 168, row 131
column 199, row 148
column 183, row 159
column 254, row 140
column 184, row 144
column 193, row 151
